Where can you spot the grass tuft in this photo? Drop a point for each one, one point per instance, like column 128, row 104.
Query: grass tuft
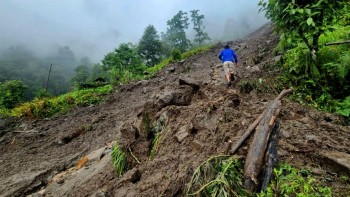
column 119, row 160
column 218, row 176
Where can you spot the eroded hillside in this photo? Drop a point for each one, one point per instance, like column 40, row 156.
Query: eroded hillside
column 194, row 113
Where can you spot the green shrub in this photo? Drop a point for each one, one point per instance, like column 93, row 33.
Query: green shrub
column 289, row 181
column 175, row 54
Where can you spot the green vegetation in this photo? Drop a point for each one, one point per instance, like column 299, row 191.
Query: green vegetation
column 46, row 107
column 119, row 160
column 318, row 73
column 289, row 181
column 155, row 144
column 11, row 93
column 199, row 27
column 218, row 176
column 150, row 46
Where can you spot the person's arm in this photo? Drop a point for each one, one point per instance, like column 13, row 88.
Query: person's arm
column 235, row 57
column 220, row 55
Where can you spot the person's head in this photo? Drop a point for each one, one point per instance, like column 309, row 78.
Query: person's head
column 227, row 46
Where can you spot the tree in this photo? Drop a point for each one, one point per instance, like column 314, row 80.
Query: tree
column 199, row 27
column 11, row 93
column 150, row 47
column 81, row 74
column 175, row 36
column 306, row 19
column 123, row 63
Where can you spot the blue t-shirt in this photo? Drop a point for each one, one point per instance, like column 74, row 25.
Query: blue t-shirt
column 228, row 55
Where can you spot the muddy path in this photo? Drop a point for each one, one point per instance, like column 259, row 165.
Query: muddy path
column 189, row 104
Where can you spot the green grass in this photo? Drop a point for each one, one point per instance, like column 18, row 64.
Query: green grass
column 46, row 107
column 119, row 160
column 218, row 176
column 290, row 181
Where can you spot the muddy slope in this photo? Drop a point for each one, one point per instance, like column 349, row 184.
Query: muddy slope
column 195, row 114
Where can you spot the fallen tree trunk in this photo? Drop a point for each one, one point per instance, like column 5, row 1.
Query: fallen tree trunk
column 246, row 134
column 256, row 152
column 271, row 157
column 252, row 127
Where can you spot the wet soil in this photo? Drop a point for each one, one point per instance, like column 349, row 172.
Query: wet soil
column 194, row 112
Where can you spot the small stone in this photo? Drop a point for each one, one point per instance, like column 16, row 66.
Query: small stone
column 305, row 120
column 255, row 69
column 277, row 58
column 197, row 145
column 312, row 139
column 285, row 134
column 181, row 134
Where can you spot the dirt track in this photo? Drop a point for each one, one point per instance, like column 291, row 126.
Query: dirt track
column 44, row 157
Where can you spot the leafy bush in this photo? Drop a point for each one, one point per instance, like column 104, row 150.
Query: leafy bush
column 289, row 181
column 175, row 54
column 11, row 93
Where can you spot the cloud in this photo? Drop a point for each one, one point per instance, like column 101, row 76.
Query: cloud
column 95, row 27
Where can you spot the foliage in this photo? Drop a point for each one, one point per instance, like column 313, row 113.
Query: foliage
column 150, row 46
column 305, row 19
column 11, row 93
column 46, row 107
column 155, row 145
column 218, row 176
column 289, row 181
column 81, row 74
column 175, row 54
column 175, row 36
column 185, row 55
column 119, row 160
column 199, row 27
column 124, row 64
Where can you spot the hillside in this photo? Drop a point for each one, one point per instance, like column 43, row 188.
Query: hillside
column 196, row 114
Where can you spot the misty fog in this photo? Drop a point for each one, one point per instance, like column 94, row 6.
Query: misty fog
column 93, row 28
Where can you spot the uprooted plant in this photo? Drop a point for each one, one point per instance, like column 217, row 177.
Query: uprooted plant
column 218, row 176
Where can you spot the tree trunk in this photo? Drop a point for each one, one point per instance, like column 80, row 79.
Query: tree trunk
column 271, row 157
column 256, row 152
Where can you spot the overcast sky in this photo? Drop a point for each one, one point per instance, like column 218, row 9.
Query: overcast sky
column 95, row 27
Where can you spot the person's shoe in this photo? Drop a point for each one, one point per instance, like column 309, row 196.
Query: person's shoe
column 232, row 77
column 229, row 83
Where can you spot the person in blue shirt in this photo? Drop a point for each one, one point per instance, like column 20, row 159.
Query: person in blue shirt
column 230, row 62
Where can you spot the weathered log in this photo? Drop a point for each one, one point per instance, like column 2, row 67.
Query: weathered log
column 252, row 127
column 246, row 134
column 256, row 152
column 271, row 157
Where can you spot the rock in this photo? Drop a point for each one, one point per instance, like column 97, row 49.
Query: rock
column 170, row 70
column 133, row 175
column 96, row 155
column 180, row 136
column 197, row 145
column 180, row 97
column 144, row 90
column 182, row 133
column 197, row 64
column 336, row 161
column 285, row 133
column 277, row 58
column 255, row 69
column 312, row 139
column 187, row 81
column 305, row 120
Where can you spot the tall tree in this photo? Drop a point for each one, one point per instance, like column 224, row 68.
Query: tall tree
column 175, row 36
column 150, row 47
column 199, row 27
column 81, row 74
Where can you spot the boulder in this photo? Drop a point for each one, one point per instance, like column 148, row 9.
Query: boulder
column 336, row 161
column 190, row 82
